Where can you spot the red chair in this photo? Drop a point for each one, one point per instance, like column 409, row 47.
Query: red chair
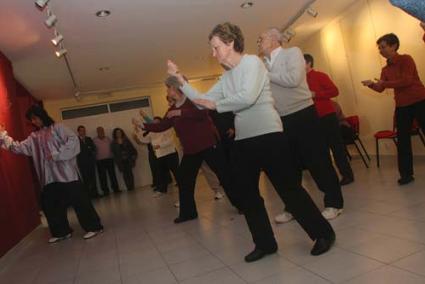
column 355, row 125
column 392, row 134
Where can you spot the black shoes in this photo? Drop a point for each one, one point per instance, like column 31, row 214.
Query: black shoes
column 346, row 180
column 258, row 254
column 405, row 180
column 322, row 245
column 184, row 219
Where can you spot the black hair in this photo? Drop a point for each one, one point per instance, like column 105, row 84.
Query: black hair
column 40, row 112
column 390, row 39
column 80, row 126
column 309, row 59
column 114, row 133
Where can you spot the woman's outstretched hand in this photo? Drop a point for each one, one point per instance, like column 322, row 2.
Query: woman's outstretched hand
column 172, row 68
column 205, row 103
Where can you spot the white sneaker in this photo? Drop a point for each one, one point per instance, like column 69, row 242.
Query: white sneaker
column 158, row 194
column 218, row 195
column 331, row 213
column 92, row 234
column 55, row 240
column 177, row 204
column 285, row 217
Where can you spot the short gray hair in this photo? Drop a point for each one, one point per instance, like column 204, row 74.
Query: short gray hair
column 173, row 82
column 275, row 34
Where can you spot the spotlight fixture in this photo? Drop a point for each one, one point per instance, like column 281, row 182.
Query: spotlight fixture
column 57, row 39
column 103, row 13
column 286, row 38
column 290, row 33
column 312, row 12
column 41, row 4
column 51, row 20
column 287, row 35
column 247, row 4
column 61, row 52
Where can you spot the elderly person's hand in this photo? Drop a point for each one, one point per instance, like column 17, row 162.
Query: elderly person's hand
column 142, row 113
column 205, row 103
column 230, row 133
column 135, row 122
column 379, row 83
column 172, row 68
column 367, row 83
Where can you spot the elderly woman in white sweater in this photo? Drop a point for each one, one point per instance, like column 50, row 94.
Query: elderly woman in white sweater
column 260, row 142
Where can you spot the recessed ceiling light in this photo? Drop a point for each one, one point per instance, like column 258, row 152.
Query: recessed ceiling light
column 103, row 13
column 247, row 4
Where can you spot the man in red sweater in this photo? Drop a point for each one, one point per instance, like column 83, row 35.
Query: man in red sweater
column 323, row 89
column 199, row 139
column 401, row 74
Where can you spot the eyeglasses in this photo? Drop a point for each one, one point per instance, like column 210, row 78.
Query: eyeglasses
column 261, row 39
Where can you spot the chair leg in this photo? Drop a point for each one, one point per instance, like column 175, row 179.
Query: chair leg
column 422, row 137
column 377, row 152
column 364, row 149
column 395, row 141
column 361, row 155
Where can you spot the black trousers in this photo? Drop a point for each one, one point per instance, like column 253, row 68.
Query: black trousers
column 330, row 128
column 309, row 146
column 272, row 153
column 153, row 163
column 107, row 166
column 88, row 175
column 166, row 164
column 127, row 174
column 404, row 119
column 55, row 200
column 188, row 171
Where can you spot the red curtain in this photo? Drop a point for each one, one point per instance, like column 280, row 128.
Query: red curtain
column 18, row 202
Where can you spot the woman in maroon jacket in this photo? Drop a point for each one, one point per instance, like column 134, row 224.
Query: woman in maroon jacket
column 199, row 139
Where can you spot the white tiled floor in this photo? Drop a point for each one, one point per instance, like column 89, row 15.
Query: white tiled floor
column 380, row 239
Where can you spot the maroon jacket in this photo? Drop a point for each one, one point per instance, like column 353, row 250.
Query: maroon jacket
column 194, row 128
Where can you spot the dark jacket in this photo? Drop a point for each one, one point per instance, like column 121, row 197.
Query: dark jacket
column 87, row 155
column 124, row 153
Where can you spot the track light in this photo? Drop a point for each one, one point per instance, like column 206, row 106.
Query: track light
column 41, row 4
column 61, row 52
column 51, row 20
column 57, row 40
column 312, row 12
column 290, row 33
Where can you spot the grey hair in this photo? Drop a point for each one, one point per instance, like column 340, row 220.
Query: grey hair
column 173, row 82
column 275, row 34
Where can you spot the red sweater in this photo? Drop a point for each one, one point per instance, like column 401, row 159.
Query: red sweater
column 401, row 74
column 194, row 128
column 324, row 90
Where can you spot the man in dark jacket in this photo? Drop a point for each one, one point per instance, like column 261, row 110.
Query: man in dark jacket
column 86, row 161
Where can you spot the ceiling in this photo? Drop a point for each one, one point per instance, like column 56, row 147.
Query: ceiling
column 135, row 41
